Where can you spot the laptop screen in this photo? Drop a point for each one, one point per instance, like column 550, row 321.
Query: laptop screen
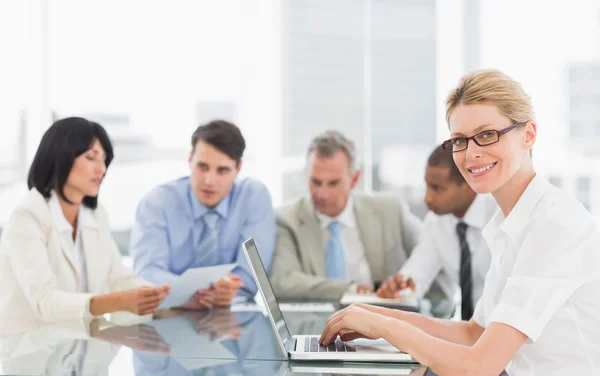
column 264, row 286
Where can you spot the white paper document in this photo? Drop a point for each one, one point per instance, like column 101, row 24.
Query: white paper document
column 184, row 287
column 406, row 301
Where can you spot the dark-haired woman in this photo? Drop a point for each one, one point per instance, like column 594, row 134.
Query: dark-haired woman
column 58, row 260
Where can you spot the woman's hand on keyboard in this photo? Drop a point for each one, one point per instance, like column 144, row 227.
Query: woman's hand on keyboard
column 353, row 322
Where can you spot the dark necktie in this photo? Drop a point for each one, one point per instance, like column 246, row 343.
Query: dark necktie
column 466, row 283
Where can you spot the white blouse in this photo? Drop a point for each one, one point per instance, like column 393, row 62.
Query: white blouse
column 85, row 219
column 544, row 280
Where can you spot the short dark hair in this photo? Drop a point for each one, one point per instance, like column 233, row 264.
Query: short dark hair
column 64, row 141
column 222, row 135
column 440, row 157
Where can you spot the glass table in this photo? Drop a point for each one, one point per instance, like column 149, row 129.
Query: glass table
column 224, row 341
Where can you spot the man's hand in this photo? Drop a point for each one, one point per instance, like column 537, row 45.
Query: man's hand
column 203, row 299
column 390, row 287
column 226, row 289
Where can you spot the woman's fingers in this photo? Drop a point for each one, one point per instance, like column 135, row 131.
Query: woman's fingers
column 329, row 328
column 332, row 332
column 148, row 292
column 338, row 323
column 146, row 310
column 148, row 306
column 148, row 303
column 341, row 312
column 152, row 295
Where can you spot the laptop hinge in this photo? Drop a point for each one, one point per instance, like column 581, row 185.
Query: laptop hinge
column 290, row 345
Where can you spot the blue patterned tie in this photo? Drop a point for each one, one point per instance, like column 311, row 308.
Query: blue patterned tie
column 208, row 247
column 335, row 266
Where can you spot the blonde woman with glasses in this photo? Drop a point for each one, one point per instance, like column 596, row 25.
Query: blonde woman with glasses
column 539, row 311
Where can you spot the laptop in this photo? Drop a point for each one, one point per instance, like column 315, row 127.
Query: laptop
column 306, row 347
column 356, row 368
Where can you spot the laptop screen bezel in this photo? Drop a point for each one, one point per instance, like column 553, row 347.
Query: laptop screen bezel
column 282, row 332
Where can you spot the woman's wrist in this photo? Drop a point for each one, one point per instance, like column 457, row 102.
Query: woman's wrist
column 107, row 303
column 393, row 331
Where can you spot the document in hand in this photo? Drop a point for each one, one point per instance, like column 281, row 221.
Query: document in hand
column 406, row 302
column 184, row 287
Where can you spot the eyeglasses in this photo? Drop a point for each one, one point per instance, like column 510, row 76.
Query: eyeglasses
column 484, row 138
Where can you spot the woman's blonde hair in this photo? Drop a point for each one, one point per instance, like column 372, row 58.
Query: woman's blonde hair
column 495, row 88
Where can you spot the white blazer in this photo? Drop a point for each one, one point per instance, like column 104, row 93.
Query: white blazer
column 40, row 280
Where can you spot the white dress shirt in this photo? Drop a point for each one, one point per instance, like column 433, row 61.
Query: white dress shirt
column 544, row 281
column 357, row 266
column 439, row 250
column 85, row 219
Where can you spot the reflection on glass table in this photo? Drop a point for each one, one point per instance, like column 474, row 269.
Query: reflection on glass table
column 215, row 342
column 218, row 339
column 61, row 349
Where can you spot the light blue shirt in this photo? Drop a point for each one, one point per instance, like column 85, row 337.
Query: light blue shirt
column 169, row 227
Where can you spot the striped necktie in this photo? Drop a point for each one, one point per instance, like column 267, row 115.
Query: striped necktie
column 208, row 246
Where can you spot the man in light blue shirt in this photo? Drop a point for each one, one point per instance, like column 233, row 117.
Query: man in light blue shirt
column 202, row 220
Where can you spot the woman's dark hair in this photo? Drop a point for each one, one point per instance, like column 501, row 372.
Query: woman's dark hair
column 64, row 141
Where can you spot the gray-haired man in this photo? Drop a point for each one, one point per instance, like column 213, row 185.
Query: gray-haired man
column 338, row 241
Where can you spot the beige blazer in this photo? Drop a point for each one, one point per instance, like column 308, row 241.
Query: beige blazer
column 39, row 278
column 388, row 230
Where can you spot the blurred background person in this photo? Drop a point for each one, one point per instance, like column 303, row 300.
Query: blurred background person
column 337, row 241
column 58, row 260
column 452, row 242
column 202, row 219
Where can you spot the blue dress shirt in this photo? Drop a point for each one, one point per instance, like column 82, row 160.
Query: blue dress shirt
column 169, row 227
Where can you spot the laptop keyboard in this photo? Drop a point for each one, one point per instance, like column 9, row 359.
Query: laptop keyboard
column 338, row 346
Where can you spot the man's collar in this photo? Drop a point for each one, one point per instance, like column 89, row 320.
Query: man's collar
column 476, row 213
column 346, row 217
